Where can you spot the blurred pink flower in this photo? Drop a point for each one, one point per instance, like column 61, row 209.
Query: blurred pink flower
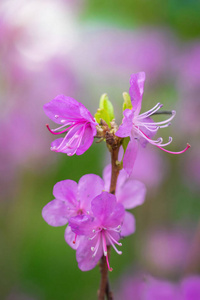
column 190, row 288
column 187, row 67
column 148, row 288
column 116, row 52
column 166, row 250
column 24, row 90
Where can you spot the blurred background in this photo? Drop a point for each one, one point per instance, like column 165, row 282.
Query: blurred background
column 83, row 49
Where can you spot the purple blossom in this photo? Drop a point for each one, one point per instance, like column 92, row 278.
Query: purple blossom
column 149, row 288
column 166, row 251
column 74, row 119
column 72, row 199
column 141, row 127
column 130, row 193
column 101, row 228
column 190, row 288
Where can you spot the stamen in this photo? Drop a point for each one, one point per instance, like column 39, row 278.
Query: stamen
column 77, row 137
column 166, row 125
column 116, row 229
column 109, row 236
column 150, row 112
column 109, row 268
column 74, row 241
column 104, row 243
column 53, row 148
column 105, row 250
column 172, row 152
column 162, row 122
column 95, row 249
column 154, row 142
column 56, row 133
column 63, row 141
column 169, row 142
column 151, row 127
column 91, row 238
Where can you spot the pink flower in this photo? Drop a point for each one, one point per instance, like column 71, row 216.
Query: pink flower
column 148, row 288
column 190, row 288
column 101, row 228
column 140, row 126
column 72, row 199
column 74, row 119
column 144, row 287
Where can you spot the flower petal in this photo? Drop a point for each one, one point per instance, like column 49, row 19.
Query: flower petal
column 130, row 156
column 82, row 225
column 107, row 177
column 66, row 190
column 128, row 226
column 131, row 194
column 84, row 254
column 70, row 238
column 89, row 187
column 85, row 113
column 125, row 128
column 87, row 140
column 136, row 90
column 56, row 213
column 62, row 108
column 107, row 210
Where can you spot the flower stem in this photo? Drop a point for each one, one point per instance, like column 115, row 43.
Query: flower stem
column 104, row 288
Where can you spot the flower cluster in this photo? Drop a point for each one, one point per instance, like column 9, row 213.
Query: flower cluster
column 96, row 218
column 94, row 208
